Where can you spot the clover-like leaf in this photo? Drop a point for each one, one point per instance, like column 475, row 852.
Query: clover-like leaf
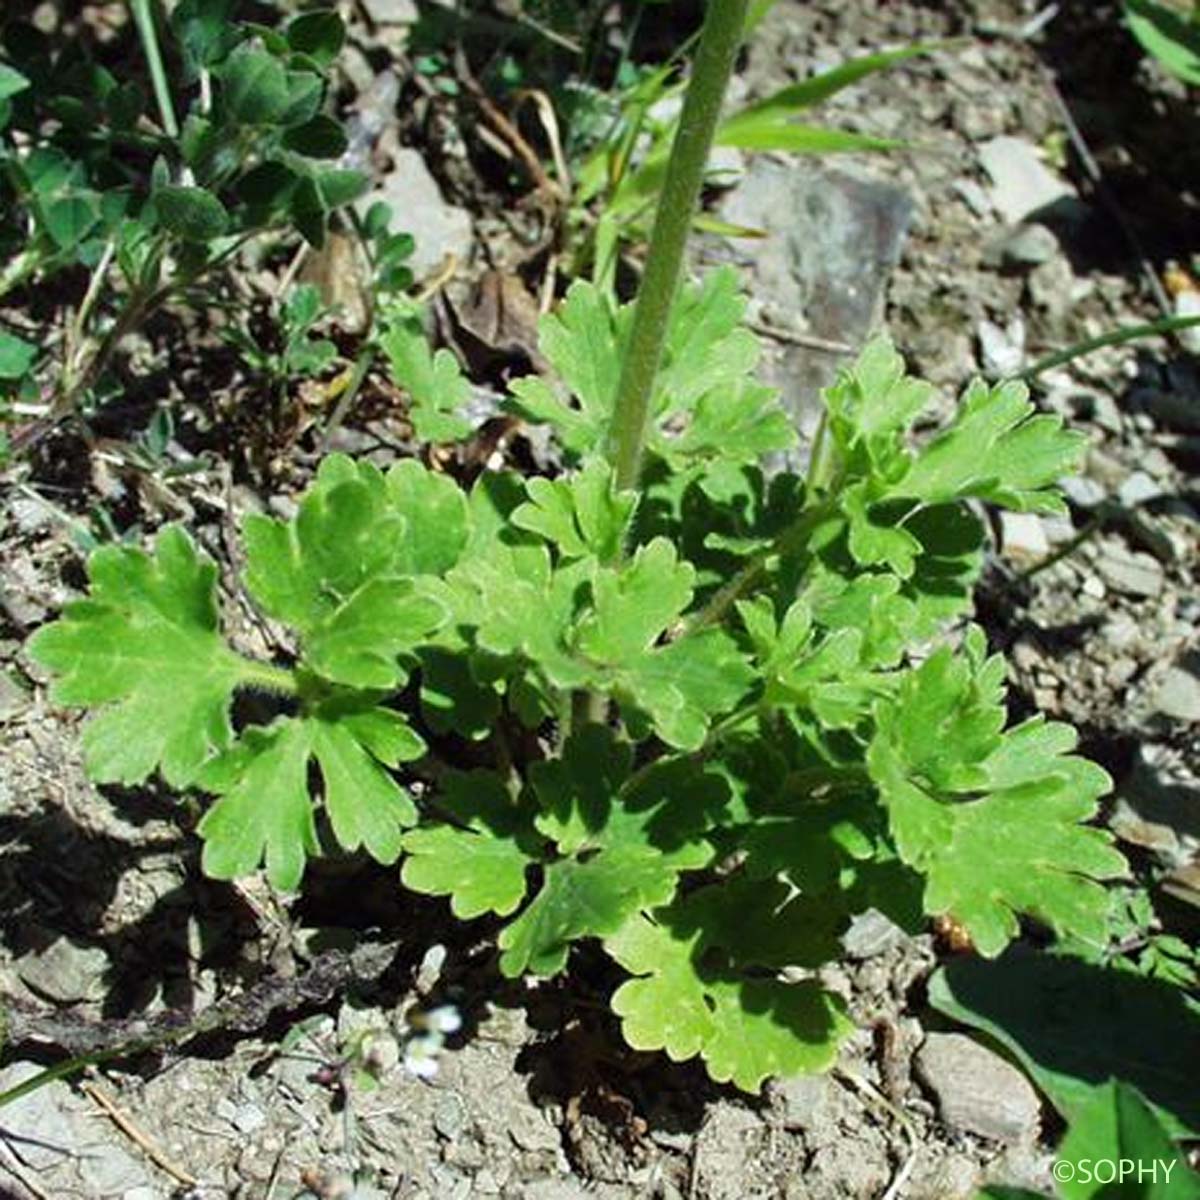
column 145, row 648
column 191, row 213
column 994, row 821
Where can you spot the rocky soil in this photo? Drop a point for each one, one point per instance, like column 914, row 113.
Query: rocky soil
column 1047, row 189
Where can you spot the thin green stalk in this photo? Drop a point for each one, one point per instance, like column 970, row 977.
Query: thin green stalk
column 1116, row 337
column 144, row 19
column 789, row 541
column 719, row 43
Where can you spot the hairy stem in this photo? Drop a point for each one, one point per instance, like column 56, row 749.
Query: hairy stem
column 719, row 42
column 267, row 677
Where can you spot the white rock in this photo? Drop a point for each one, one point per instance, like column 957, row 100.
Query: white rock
column 1187, row 304
column 1002, row 350
column 1178, row 695
column 392, row 12
column 1082, row 491
column 1137, row 489
column 438, row 228
column 1021, row 183
column 978, row 1091
column 1022, row 537
column 1128, row 571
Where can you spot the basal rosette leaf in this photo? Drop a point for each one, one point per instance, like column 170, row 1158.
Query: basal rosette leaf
column 992, row 819
column 705, row 403
column 688, row 1001
column 634, row 604
column 579, row 515
column 871, row 406
column 347, row 571
column 682, row 686
column 480, row 859
column 579, row 899
column 997, row 450
column 145, row 648
column 265, row 812
column 580, row 342
column 625, row 839
column 517, row 605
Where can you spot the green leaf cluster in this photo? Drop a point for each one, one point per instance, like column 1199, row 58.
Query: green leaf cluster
column 81, row 151
column 707, row 735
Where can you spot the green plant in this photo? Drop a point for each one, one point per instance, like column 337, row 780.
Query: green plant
column 300, row 354
column 715, row 726
column 620, row 177
column 88, row 180
column 1169, row 30
column 1116, row 1147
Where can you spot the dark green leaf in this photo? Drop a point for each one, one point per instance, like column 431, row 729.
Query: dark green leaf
column 255, row 86
column 319, row 34
column 191, row 213
column 320, row 137
column 11, row 82
column 1074, row 1025
column 70, row 217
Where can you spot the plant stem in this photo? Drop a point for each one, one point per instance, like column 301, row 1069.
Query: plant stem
column 719, row 43
column 789, row 541
column 144, row 18
column 1116, row 337
column 267, row 677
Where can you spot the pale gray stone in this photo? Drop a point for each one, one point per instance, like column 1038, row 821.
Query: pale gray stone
column 1178, row 695
column 437, row 227
column 1022, row 537
column 977, row 1091
column 871, row 934
column 65, row 971
column 392, row 12
column 1002, row 350
column 1028, row 246
column 1022, row 184
column 1128, row 571
column 1082, row 491
column 1137, row 489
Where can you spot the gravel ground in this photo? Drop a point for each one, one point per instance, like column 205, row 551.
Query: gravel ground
column 985, row 246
